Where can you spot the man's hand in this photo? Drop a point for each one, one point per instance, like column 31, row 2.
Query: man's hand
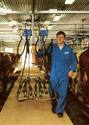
column 70, row 74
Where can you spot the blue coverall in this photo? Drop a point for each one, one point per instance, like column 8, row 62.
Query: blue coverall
column 63, row 61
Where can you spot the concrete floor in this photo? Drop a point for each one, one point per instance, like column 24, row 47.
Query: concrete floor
column 29, row 112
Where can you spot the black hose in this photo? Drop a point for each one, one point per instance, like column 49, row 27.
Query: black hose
column 19, row 47
column 20, row 81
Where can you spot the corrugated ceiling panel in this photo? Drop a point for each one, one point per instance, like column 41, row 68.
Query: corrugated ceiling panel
column 48, row 4
column 17, row 5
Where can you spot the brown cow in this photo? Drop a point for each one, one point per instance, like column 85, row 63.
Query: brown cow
column 84, row 74
column 7, row 65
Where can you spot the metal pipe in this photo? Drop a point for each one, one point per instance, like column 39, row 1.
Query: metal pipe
column 50, row 12
column 33, row 7
column 53, row 23
column 61, row 12
column 77, row 29
column 33, row 28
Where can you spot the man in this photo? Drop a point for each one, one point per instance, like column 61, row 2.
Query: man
column 63, row 64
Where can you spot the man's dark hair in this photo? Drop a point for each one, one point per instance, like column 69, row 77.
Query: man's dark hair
column 61, row 33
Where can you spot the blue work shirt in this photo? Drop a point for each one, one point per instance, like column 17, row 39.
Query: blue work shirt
column 63, row 61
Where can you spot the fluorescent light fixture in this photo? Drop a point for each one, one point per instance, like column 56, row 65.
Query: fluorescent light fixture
column 52, row 10
column 4, row 11
column 69, row 1
column 12, row 23
column 56, row 18
column 9, row 37
column 50, row 27
column 47, row 22
column 15, row 31
column 10, row 50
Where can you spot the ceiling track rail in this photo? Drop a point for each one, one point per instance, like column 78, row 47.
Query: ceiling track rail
column 49, row 12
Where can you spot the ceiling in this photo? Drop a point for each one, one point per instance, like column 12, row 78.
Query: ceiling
column 21, row 12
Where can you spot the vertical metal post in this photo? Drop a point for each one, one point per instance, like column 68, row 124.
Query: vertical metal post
column 33, row 7
column 32, row 27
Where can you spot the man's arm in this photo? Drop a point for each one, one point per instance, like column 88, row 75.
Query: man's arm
column 49, row 48
column 73, row 64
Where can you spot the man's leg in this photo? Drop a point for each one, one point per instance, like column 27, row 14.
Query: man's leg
column 53, row 99
column 62, row 93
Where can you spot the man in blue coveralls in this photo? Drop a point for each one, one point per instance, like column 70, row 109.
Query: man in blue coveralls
column 63, row 64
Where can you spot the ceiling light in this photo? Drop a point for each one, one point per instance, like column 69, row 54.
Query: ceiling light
column 47, row 22
column 52, row 10
column 10, row 50
column 69, row 1
column 12, row 23
column 4, row 11
column 50, row 27
column 56, row 18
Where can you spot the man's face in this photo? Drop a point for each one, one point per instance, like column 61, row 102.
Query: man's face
column 60, row 39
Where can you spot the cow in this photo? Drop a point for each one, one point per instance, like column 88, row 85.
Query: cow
column 7, row 65
column 84, row 74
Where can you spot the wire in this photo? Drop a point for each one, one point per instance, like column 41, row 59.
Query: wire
column 26, row 46
column 19, row 47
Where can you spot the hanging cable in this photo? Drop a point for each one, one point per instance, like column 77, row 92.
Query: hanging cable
column 27, row 34
column 18, row 47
